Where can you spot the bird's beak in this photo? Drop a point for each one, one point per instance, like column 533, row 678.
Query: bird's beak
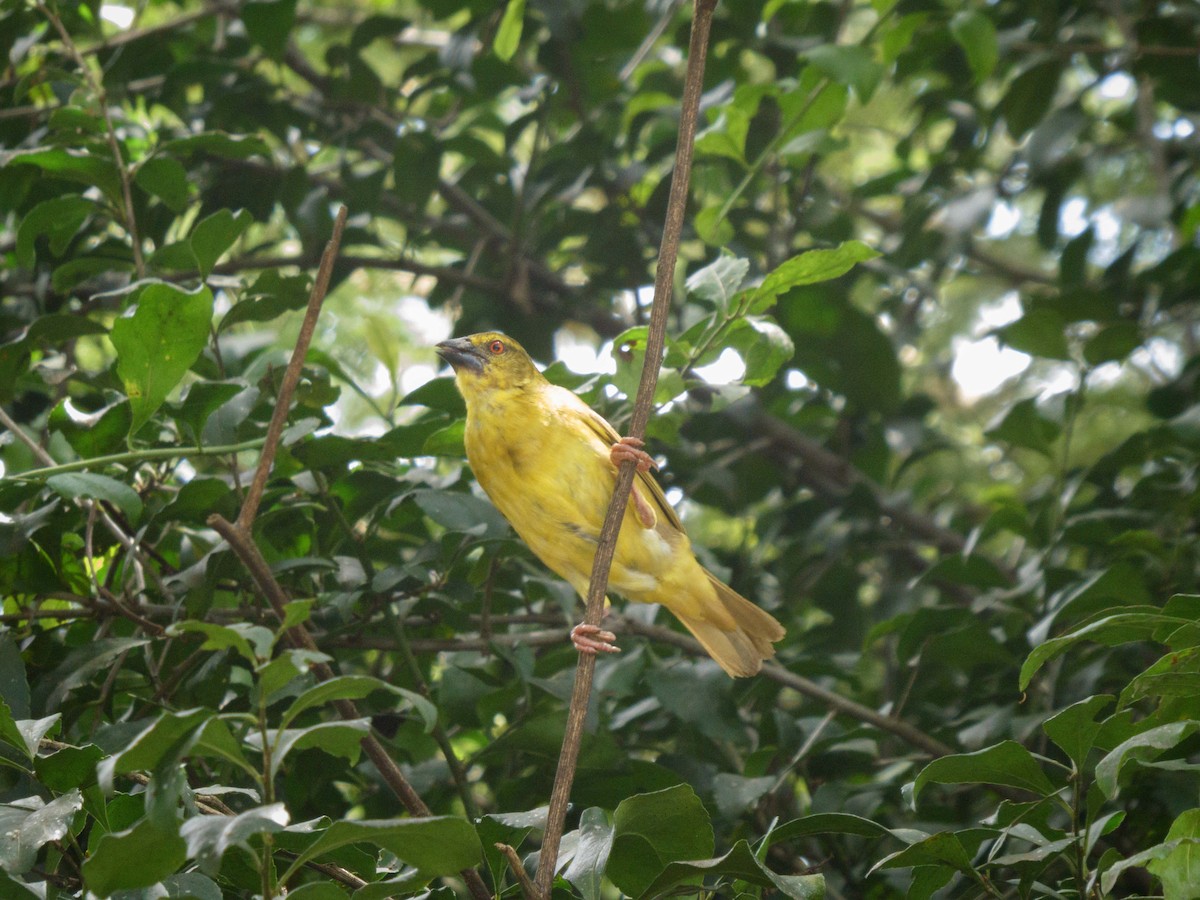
column 461, row 354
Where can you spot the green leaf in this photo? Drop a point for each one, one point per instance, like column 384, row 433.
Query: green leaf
column 135, row 858
column 826, row 823
column 25, row 825
column 1179, row 871
column 70, row 767
column 1023, row 425
column 811, row 267
column 14, row 687
column 1113, row 343
column 849, row 65
column 510, row 829
column 713, row 226
column 159, row 343
column 270, row 296
column 321, row 890
column 253, row 643
column 719, row 281
column 1139, row 748
column 203, row 399
column 508, row 35
column 159, row 746
column 9, row 732
column 73, row 485
column 1006, row 763
column 33, row 730
column 218, row 143
column 1075, row 729
column 93, row 434
column 216, row 234
column 284, row 668
column 341, row 738
column 209, row 837
column 1131, row 624
column 726, row 136
column 738, row 864
column 594, row 844
column 448, row 441
column 57, row 219
column 763, row 346
column 976, row 34
column 1145, row 857
column 355, row 687
column 1040, row 332
column 58, row 328
column 736, row 793
column 83, row 663
column 1030, row 95
column 165, row 178
column 269, row 22
column 943, row 848
column 460, row 512
column 651, row 830
column 439, row 845
column 72, row 165
column 18, row 890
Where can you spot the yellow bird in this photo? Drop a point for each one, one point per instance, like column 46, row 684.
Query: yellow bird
column 549, row 463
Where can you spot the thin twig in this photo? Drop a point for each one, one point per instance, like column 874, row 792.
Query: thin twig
column 514, row 862
column 239, row 538
column 910, row 734
column 292, row 376
column 133, row 456
column 664, row 283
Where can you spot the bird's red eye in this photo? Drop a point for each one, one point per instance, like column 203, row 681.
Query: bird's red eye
column 497, row 347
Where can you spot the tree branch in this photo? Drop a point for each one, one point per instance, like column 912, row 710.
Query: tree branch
column 292, row 376
column 910, row 734
column 664, row 282
column 238, row 535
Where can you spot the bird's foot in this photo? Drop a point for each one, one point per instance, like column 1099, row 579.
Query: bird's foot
column 631, row 448
column 592, row 639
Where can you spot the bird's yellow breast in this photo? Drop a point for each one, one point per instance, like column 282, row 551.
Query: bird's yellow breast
column 550, row 474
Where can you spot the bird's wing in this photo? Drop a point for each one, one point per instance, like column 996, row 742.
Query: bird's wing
column 600, row 427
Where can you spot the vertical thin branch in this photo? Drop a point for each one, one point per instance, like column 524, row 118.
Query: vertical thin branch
column 292, row 376
column 664, row 282
column 238, row 536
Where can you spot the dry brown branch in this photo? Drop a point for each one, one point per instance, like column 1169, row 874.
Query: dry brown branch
column 829, row 699
column 528, row 891
column 606, row 547
column 238, row 535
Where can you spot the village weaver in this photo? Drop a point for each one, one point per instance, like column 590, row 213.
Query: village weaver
column 549, row 463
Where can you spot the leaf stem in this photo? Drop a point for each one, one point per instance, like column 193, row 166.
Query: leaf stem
column 134, row 456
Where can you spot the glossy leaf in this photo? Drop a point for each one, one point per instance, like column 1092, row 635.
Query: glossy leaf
column 651, row 830
column 159, row 343
column 1006, row 763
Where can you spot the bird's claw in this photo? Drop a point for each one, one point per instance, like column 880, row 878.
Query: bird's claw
column 592, row 639
column 630, row 448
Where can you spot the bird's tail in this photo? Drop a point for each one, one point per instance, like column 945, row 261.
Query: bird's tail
column 740, row 651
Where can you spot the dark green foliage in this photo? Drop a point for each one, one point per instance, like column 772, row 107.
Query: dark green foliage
column 990, row 573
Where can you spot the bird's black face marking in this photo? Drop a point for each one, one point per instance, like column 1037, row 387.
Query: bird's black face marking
column 460, row 353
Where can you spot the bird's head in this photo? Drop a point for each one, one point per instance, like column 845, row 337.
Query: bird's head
column 488, row 361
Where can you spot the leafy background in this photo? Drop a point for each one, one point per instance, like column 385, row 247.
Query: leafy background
column 944, row 258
